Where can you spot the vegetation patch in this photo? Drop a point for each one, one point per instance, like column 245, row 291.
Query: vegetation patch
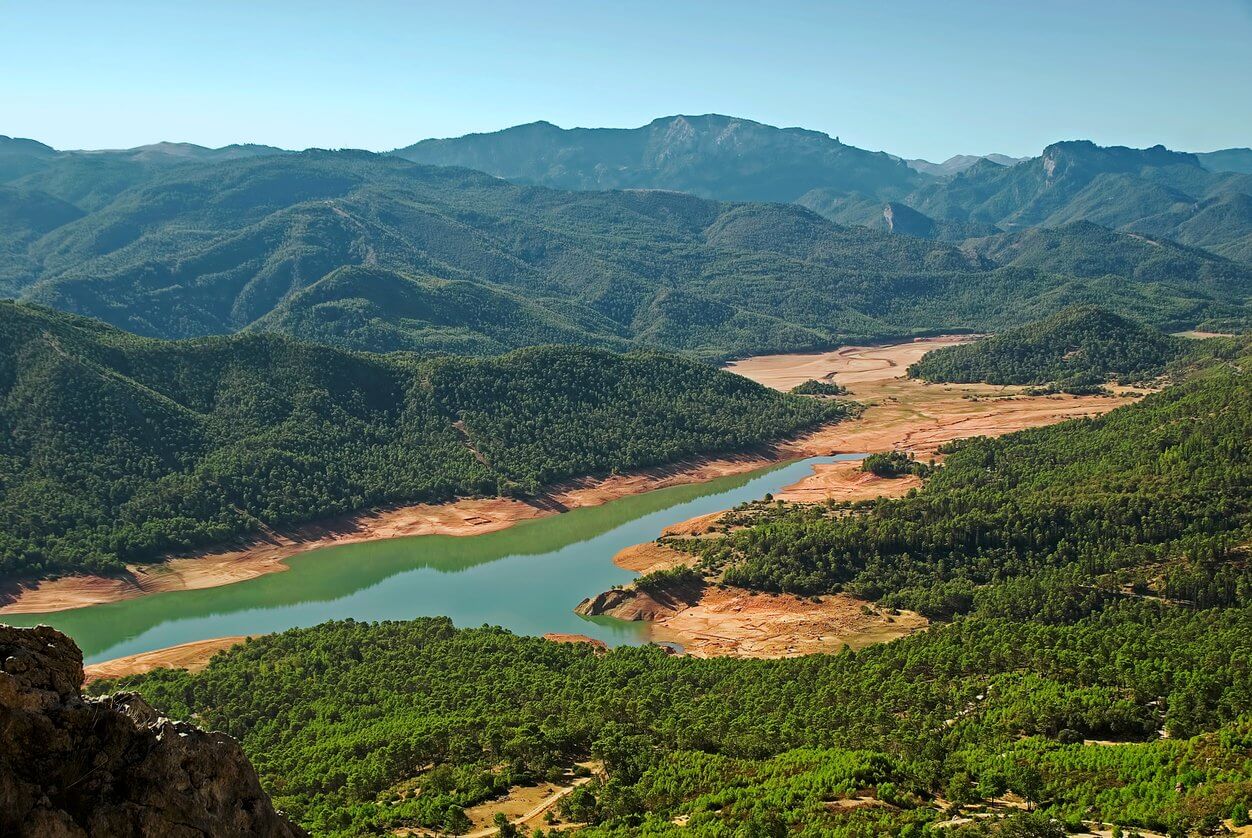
column 813, row 387
column 1074, row 351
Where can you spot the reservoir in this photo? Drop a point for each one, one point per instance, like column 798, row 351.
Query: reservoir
column 526, row 578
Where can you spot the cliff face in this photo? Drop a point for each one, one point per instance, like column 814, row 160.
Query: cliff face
column 75, row 766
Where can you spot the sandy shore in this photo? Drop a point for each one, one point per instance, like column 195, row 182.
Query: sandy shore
column 470, row 516
column 911, row 415
column 901, row 414
column 265, row 554
column 192, row 656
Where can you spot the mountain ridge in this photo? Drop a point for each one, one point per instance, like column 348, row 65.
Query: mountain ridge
column 219, row 246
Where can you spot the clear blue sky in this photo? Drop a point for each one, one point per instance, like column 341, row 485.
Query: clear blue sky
column 929, row 78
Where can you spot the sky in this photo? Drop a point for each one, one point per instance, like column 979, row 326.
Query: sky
column 919, row 79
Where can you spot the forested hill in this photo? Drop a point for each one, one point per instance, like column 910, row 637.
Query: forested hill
column 1078, row 347
column 116, row 448
column 377, row 253
column 1154, row 494
column 1095, row 576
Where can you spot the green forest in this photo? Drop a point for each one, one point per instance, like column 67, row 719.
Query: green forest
column 358, row 728
column 1091, row 662
column 373, row 252
column 1078, row 347
column 116, row 448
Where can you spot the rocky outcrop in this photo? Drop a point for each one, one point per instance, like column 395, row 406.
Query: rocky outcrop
column 634, row 604
column 75, row 766
column 906, row 221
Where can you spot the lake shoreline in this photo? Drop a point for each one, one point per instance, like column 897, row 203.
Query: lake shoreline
column 264, row 554
column 192, row 656
column 901, row 414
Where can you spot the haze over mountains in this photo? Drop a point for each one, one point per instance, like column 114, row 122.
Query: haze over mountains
column 960, row 162
column 1198, row 199
column 656, row 236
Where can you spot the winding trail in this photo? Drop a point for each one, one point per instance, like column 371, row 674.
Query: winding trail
column 522, row 821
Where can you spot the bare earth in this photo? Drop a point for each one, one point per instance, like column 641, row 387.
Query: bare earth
column 192, row 656
column 650, row 557
column 524, row 806
column 903, row 413
column 1196, row 334
column 726, row 621
column 560, row 637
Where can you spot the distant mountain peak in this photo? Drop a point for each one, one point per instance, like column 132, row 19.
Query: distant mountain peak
column 958, row 163
column 709, row 155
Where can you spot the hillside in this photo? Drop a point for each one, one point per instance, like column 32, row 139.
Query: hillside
column 117, row 448
column 1157, row 191
column 1084, row 249
column 446, row 259
column 1077, row 347
column 712, row 156
column 1227, row 160
column 386, row 311
column 1085, row 633
column 19, row 156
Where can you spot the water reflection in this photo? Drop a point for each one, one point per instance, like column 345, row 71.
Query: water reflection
column 526, row 578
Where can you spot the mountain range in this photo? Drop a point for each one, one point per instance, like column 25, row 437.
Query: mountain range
column 711, row 156
column 618, row 238
column 375, row 252
column 1199, row 199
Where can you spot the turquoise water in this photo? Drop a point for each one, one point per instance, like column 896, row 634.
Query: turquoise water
column 527, row 578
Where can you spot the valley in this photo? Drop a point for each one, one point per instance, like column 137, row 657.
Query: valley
column 476, row 558
column 902, row 414
column 371, row 468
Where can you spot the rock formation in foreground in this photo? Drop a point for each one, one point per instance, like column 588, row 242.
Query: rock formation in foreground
column 75, row 766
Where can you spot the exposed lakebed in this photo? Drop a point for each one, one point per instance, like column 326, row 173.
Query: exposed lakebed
column 526, row 578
